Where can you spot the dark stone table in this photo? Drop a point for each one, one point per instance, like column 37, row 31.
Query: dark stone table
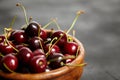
column 98, row 29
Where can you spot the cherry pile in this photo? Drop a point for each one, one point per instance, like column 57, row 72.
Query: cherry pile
column 33, row 49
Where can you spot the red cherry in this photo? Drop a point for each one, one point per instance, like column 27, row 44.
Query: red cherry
column 2, row 38
column 39, row 52
column 53, row 49
column 6, row 48
column 9, row 63
column 19, row 36
column 18, row 47
column 43, row 34
column 61, row 36
column 70, row 48
column 68, row 60
column 24, row 55
column 38, row 64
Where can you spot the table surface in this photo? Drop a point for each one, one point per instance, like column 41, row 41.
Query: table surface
column 98, row 29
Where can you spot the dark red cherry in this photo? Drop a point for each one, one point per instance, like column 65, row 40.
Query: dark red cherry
column 24, row 55
column 18, row 47
column 38, row 64
column 35, row 43
column 51, row 49
column 43, row 34
column 61, row 36
column 6, row 48
column 39, row 52
column 9, row 63
column 70, row 48
column 56, row 60
column 2, row 38
column 33, row 29
column 19, row 36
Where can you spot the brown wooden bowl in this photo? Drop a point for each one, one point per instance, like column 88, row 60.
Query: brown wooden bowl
column 63, row 73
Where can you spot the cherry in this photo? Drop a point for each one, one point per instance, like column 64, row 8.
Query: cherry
column 68, row 60
column 6, row 48
column 9, row 63
column 33, row 29
column 70, row 48
column 18, row 47
column 43, row 34
column 39, row 52
column 36, row 43
column 2, row 38
column 19, row 36
column 55, row 60
column 61, row 37
column 24, row 55
column 38, row 64
column 50, row 49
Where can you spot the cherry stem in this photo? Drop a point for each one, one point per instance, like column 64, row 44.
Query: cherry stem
column 24, row 10
column 74, row 33
column 77, row 65
column 41, row 45
column 30, row 19
column 8, row 68
column 74, row 21
column 55, row 21
column 1, row 55
column 51, row 46
column 13, row 21
column 45, row 26
column 63, row 58
column 59, row 38
column 6, row 35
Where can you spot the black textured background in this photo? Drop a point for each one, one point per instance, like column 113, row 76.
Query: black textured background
column 98, row 29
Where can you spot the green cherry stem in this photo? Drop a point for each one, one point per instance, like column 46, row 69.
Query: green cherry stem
column 45, row 26
column 30, row 19
column 6, row 35
column 8, row 68
column 64, row 58
column 74, row 21
column 55, row 21
column 1, row 55
column 13, row 21
column 51, row 46
column 77, row 65
column 74, row 32
column 24, row 10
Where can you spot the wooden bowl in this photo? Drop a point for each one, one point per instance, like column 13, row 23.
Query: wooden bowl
column 63, row 73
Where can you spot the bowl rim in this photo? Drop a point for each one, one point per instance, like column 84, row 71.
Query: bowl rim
column 52, row 73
